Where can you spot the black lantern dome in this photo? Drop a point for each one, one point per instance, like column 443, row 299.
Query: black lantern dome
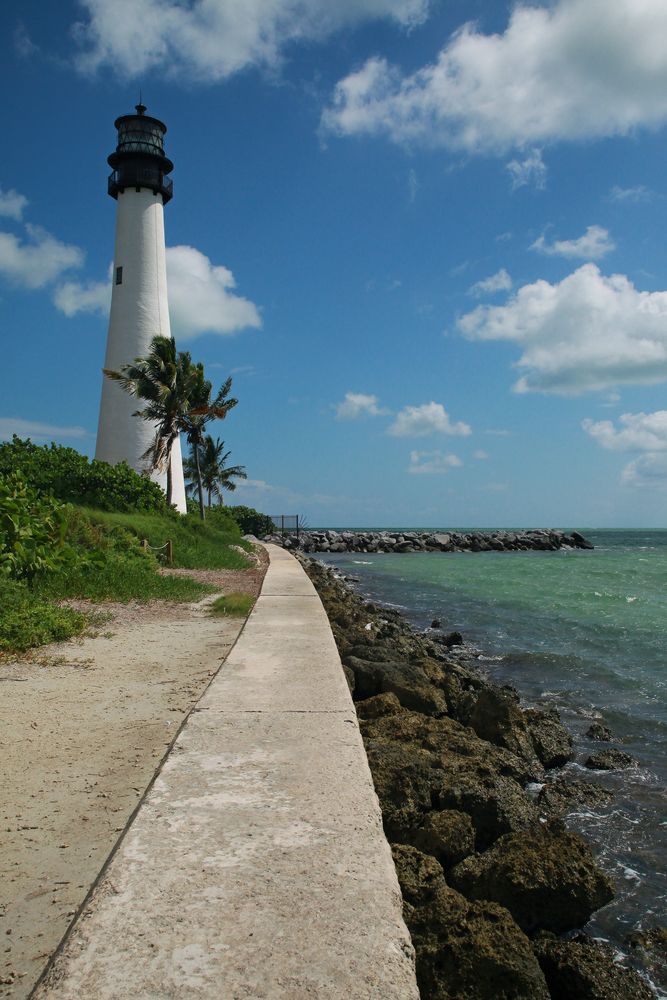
column 139, row 160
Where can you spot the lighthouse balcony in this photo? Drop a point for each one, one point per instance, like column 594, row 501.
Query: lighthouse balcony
column 139, row 176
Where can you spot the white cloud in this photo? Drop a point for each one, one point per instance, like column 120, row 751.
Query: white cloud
column 573, row 69
column 429, row 418
column 498, row 282
column 532, row 170
column 594, row 244
column 631, row 194
column 413, row 185
column 647, row 471
column 36, row 430
column 212, row 39
column 638, row 432
column 358, row 404
column 12, row 204
column 38, row 261
column 432, row 463
column 480, row 455
column 88, row 297
column 201, row 297
column 587, row 332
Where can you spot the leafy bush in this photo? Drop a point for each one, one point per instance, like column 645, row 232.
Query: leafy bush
column 251, row 522
column 71, row 477
column 32, row 532
column 26, row 620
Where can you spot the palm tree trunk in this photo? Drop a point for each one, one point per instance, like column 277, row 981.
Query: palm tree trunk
column 209, row 499
column 200, row 486
column 169, row 481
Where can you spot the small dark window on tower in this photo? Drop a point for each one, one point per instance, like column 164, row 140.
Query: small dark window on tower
column 119, row 275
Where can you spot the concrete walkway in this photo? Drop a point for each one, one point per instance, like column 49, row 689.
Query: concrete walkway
column 256, row 867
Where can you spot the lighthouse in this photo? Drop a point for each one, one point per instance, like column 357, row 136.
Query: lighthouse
column 140, row 184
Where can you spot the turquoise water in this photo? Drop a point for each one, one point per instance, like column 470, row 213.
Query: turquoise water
column 585, row 632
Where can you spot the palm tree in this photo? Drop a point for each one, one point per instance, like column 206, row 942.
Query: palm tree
column 178, row 399
column 201, row 411
column 216, row 476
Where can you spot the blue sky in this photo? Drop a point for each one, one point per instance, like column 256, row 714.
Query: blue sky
column 427, row 239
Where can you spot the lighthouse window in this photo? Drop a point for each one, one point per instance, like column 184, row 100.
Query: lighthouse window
column 119, row 275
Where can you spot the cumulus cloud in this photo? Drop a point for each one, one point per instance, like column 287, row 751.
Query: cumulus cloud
column 587, row 332
column 429, row 418
column 12, row 204
column 594, row 244
column 358, row 404
column 36, row 430
column 498, row 282
column 637, row 432
column 74, row 297
column 647, row 471
column 640, row 432
column 569, row 70
column 201, row 296
column 532, row 170
column 212, row 39
column 432, row 463
column 37, row 261
column 480, row 455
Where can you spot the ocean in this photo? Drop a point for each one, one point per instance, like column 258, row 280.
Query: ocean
column 584, row 632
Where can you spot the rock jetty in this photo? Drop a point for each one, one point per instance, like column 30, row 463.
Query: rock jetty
column 493, row 883
column 538, row 539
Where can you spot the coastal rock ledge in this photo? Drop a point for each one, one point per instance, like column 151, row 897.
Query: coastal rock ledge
column 537, row 539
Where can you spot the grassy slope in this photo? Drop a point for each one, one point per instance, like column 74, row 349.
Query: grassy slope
column 125, row 572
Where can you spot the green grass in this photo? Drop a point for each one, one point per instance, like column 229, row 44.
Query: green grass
column 121, row 580
column 26, row 620
column 196, row 544
column 235, row 605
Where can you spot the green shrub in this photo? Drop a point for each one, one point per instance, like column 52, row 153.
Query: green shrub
column 71, row 477
column 251, row 522
column 32, row 532
column 26, row 620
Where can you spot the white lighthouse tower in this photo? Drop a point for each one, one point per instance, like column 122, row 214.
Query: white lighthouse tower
column 139, row 307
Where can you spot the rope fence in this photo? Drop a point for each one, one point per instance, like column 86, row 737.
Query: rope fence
column 167, row 548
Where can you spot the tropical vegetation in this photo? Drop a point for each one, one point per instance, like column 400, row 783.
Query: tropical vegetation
column 208, row 464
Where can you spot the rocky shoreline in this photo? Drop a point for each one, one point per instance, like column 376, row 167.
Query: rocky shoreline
column 494, row 885
column 538, row 539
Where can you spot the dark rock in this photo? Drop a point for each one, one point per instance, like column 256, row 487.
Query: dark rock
column 547, row 879
column 584, row 969
column 609, row 760
column 349, row 677
column 379, row 705
column 452, row 639
column 448, row 835
column 597, row 731
column 408, row 682
column 465, row 951
column 406, row 782
column 580, row 541
column 436, row 623
column 565, row 795
column 497, row 718
column 652, row 945
column 551, row 740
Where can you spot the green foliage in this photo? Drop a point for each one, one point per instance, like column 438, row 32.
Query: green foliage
column 236, row 605
column 26, row 620
column 32, row 532
column 251, row 522
column 71, row 477
column 196, row 544
column 133, row 578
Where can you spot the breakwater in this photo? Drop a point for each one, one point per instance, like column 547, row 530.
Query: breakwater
column 493, row 882
column 537, row 539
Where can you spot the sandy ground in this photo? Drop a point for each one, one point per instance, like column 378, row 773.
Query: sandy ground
column 84, row 725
